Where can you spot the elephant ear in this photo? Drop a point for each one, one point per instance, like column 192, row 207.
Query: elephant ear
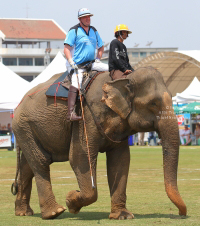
column 117, row 96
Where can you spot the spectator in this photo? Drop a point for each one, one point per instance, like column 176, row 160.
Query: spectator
column 197, row 130
column 141, row 138
column 9, row 128
column 159, row 142
column 3, row 127
column 185, row 135
column 195, row 136
column 152, row 136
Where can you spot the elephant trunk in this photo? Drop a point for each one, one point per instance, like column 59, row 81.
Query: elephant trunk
column 169, row 133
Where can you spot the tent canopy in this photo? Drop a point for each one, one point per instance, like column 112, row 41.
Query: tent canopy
column 58, row 65
column 13, row 88
column 178, row 68
column 190, row 94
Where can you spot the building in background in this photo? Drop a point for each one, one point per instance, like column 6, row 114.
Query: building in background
column 27, row 46
column 137, row 54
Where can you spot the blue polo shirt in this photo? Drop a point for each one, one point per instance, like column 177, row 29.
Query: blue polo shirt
column 84, row 45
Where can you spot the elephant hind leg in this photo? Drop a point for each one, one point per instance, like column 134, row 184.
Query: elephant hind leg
column 39, row 161
column 22, row 203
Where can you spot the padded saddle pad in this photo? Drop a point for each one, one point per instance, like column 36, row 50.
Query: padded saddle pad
column 62, row 91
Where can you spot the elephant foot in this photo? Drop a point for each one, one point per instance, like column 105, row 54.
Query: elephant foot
column 121, row 215
column 23, row 211
column 72, row 200
column 53, row 212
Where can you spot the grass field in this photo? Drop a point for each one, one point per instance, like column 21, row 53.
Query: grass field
column 146, row 197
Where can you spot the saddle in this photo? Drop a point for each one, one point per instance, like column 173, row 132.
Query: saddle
column 60, row 87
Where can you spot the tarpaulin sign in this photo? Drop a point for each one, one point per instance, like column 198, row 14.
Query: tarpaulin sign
column 5, row 141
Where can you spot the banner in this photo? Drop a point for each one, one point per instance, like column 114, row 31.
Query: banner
column 5, row 141
column 183, row 119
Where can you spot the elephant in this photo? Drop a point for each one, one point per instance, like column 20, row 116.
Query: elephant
column 113, row 110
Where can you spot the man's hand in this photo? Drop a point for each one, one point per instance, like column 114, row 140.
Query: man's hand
column 97, row 60
column 73, row 64
column 127, row 72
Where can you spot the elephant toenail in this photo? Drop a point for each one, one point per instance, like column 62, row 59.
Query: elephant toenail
column 60, row 210
column 130, row 216
column 67, row 202
column 121, row 218
column 53, row 213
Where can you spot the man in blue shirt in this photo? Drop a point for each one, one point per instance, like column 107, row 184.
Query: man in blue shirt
column 79, row 48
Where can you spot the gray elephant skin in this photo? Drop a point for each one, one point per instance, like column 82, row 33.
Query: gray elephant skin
column 139, row 103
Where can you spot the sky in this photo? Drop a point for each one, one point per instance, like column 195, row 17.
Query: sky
column 171, row 23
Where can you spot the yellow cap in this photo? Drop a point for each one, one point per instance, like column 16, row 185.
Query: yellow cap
column 122, row 27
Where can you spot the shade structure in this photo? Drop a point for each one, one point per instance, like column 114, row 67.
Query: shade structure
column 178, row 109
column 192, row 108
column 178, row 68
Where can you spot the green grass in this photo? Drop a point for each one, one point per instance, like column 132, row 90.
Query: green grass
column 146, row 197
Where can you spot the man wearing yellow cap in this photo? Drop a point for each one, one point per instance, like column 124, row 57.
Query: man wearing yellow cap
column 119, row 65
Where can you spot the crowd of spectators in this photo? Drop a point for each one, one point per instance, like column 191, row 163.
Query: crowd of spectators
column 187, row 137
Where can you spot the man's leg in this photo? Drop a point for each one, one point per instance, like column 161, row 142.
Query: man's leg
column 99, row 66
column 149, row 139
column 155, row 143
column 142, row 138
column 80, row 78
column 73, row 92
column 117, row 74
column 182, row 140
column 72, row 116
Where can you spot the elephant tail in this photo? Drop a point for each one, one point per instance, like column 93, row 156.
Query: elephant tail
column 14, row 187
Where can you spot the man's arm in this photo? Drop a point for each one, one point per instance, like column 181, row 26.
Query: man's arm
column 67, row 49
column 68, row 55
column 100, row 52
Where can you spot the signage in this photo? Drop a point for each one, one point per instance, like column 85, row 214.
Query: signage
column 5, row 141
column 183, row 119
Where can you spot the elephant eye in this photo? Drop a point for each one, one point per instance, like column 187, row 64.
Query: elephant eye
column 153, row 103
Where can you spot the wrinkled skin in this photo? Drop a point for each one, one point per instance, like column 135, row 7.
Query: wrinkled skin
column 139, row 103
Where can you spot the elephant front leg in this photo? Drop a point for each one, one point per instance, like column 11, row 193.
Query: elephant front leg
column 118, row 161
column 87, row 195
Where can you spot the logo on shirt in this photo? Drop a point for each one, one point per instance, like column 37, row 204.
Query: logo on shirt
column 120, row 53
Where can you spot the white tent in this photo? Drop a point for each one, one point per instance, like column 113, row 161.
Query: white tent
column 190, row 94
column 58, row 65
column 12, row 89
